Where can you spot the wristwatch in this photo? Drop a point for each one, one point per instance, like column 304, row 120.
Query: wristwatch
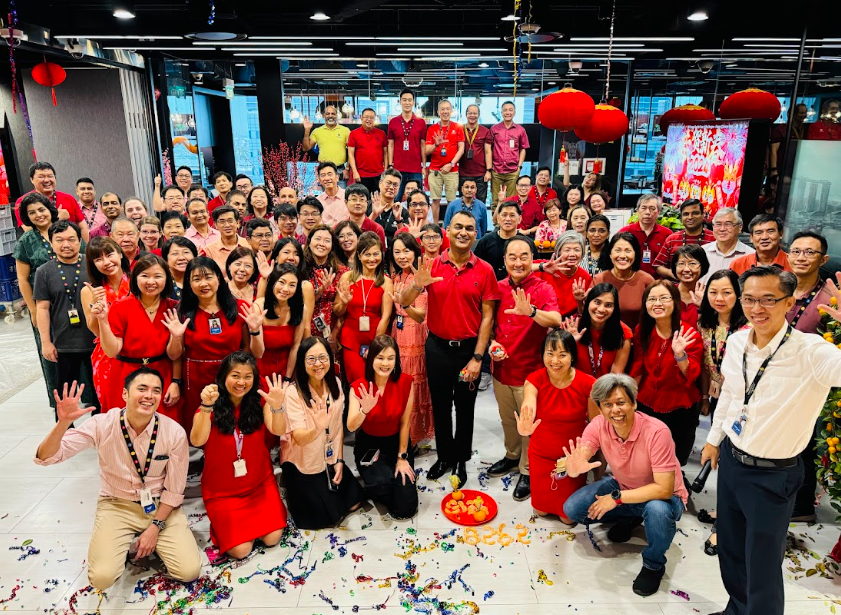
column 161, row 525
column 617, row 496
column 404, row 456
column 477, row 356
column 176, row 381
column 533, row 311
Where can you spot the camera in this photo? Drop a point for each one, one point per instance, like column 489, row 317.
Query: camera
column 575, row 66
column 706, row 66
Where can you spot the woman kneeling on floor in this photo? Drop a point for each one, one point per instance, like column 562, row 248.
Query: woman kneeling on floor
column 380, row 408
column 238, row 484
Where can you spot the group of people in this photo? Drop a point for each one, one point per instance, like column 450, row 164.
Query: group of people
column 254, row 320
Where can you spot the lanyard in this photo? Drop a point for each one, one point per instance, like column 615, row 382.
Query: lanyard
column 410, row 124
column 47, row 246
column 365, row 294
column 803, row 307
column 467, row 135
column 70, row 293
column 750, row 390
column 93, row 215
column 714, row 350
column 238, row 438
column 595, row 366
column 141, row 471
column 444, row 132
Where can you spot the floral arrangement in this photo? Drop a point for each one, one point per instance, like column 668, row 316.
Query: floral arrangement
column 167, row 167
column 828, row 443
column 282, row 167
column 669, row 217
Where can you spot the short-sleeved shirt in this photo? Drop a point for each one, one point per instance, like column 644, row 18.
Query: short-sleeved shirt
column 474, row 141
column 332, row 144
column 647, row 450
column 384, row 419
column 202, row 242
column 455, row 303
column 678, row 239
column 749, row 261
column 521, row 336
column 593, row 359
column 719, row 260
column 33, row 250
column 652, row 243
column 369, row 146
column 219, row 252
column 630, row 293
column 412, row 132
column 562, row 284
column 507, row 143
column 491, row 249
column 53, row 280
column 444, row 153
column 309, row 459
column 808, row 321
column 61, row 200
column 478, row 209
column 335, row 207
column 93, row 215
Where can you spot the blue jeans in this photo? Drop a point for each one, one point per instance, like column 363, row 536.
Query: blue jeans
column 659, row 516
column 406, row 177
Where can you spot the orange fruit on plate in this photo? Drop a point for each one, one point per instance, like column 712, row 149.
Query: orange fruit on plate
column 458, row 495
column 480, row 515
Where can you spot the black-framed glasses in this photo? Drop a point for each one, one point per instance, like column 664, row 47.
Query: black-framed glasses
column 766, row 302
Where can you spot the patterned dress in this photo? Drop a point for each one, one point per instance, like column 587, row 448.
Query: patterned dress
column 324, row 305
column 109, row 389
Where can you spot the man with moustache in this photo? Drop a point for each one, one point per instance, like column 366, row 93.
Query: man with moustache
column 112, row 208
column 367, row 151
column 331, row 139
column 125, row 233
column 91, row 209
column 200, row 231
column 478, row 154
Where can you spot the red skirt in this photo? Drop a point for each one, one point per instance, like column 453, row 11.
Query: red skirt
column 198, row 373
column 547, row 494
column 235, row 520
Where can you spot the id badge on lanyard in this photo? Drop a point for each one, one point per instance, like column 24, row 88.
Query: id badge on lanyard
column 146, row 501
column 405, row 145
column 646, row 256
column 215, row 326
column 329, row 453
column 239, row 465
column 364, row 324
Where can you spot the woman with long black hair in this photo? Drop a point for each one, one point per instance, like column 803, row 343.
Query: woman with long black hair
column 238, row 485
column 284, row 325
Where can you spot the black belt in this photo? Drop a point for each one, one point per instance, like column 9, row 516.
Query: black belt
column 760, row 462
column 143, row 360
column 469, row 342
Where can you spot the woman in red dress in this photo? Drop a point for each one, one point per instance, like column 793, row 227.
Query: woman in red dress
column 690, row 264
column 603, row 340
column 364, row 299
column 136, row 330
column 211, row 324
column 323, row 269
column 238, row 484
column 108, row 271
column 557, row 400
column 381, row 408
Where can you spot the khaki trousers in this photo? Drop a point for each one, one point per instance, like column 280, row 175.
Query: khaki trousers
column 117, row 524
column 509, row 399
column 498, row 180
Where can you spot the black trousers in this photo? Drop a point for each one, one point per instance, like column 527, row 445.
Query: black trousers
column 380, row 483
column 804, row 503
column 372, row 183
column 754, row 508
column 76, row 366
column 682, row 423
column 443, row 364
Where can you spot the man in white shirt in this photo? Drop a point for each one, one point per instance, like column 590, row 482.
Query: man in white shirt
column 776, row 380
column 727, row 224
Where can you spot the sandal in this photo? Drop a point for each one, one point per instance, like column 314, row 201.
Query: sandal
column 705, row 517
column 710, row 547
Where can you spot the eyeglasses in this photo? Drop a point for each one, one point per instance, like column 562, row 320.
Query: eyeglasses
column 322, row 358
column 262, row 235
column 727, row 225
column 307, row 214
column 808, row 253
column 688, row 264
column 660, row 300
column 431, row 238
column 391, row 184
column 766, row 302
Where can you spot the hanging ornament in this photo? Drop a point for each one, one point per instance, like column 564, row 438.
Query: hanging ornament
column 607, row 124
column 211, row 18
column 49, row 75
column 685, row 114
column 751, row 104
column 566, row 109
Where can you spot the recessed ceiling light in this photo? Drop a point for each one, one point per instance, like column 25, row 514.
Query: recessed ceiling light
column 240, row 64
column 698, row 16
column 511, row 17
column 361, row 65
column 535, row 89
column 319, row 16
column 215, row 36
column 123, row 14
column 552, row 82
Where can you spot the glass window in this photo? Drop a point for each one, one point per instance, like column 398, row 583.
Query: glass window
column 245, row 124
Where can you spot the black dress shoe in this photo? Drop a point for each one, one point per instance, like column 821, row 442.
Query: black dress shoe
column 648, row 581
column 438, row 469
column 622, row 529
column 460, row 470
column 523, row 489
column 502, row 467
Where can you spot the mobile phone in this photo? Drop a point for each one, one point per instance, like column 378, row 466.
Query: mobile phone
column 370, row 457
column 331, row 474
column 363, row 352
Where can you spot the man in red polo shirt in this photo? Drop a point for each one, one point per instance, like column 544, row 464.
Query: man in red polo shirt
column 445, row 146
column 478, row 157
column 651, row 235
column 406, row 136
column 463, row 292
column 224, row 183
column 367, row 151
column 42, row 175
column 528, row 307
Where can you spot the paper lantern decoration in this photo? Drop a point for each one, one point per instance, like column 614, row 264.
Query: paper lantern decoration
column 685, row 114
column 752, row 104
column 49, row 75
column 566, row 109
column 607, row 124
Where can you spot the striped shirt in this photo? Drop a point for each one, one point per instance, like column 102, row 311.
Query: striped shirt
column 166, row 478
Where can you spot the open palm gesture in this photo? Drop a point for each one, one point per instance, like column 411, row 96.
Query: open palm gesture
column 522, row 303
column 832, row 308
column 253, row 316
column 264, row 266
column 67, row 406
column 681, row 340
column 415, row 226
column 174, row 324
column 423, row 274
column 377, row 205
column 396, row 293
column 579, row 289
column 277, row 391
column 578, row 459
column 319, row 413
column 697, row 295
column 324, row 280
column 344, row 291
column 367, row 398
column 570, row 325
column 525, row 421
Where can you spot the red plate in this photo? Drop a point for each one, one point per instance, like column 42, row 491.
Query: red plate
column 466, row 518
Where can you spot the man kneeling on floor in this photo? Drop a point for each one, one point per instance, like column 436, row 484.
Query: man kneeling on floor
column 143, row 471
column 641, row 453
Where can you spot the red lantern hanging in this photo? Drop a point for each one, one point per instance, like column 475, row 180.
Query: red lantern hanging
column 566, row 109
column 752, row 104
column 608, row 124
column 685, row 114
column 49, row 75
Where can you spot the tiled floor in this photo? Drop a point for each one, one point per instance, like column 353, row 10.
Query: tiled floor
column 53, row 507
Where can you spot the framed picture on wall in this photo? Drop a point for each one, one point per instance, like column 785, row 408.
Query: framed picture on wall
column 593, row 165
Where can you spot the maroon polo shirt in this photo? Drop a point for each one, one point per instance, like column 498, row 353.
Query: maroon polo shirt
column 370, row 225
column 474, row 167
column 413, row 131
column 368, row 152
column 652, row 243
column 521, row 336
column 455, row 303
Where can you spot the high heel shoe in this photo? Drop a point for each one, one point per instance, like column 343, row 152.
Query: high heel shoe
column 704, row 516
column 710, row 548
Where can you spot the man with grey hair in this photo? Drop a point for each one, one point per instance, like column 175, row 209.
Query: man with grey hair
column 445, row 146
column 367, row 151
column 646, row 486
column 478, row 155
column 331, row 139
column 651, row 235
column 727, row 224
column 776, row 380
column 564, row 273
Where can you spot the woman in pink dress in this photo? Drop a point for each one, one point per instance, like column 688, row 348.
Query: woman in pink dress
column 108, row 271
column 410, row 331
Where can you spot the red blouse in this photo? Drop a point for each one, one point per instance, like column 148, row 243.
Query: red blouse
column 384, row 418
column 663, row 387
column 604, row 363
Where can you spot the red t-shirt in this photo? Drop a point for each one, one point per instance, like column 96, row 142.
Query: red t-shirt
column 453, row 135
column 368, row 151
column 370, row 225
column 384, row 418
column 212, row 204
column 521, row 336
column 61, row 200
column 475, row 142
column 663, row 387
column 408, row 139
column 652, row 243
column 601, row 360
column 563, row 288
column 455, row 303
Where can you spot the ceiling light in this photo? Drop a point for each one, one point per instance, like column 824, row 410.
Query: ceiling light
column 240, row 64
column 634, row 38
column 436, row 38
column 150, row 37
column 535, row 89
column 361, row 65
column 450, row 50
column 279, row 49
column 407, row 42
column 253, row 43
column 552, row 82
column 698, row 16
column 511, row 17
column 483, row 64
column 123, row 14
column 779, row 40
column 215, row 36
column 319, row 16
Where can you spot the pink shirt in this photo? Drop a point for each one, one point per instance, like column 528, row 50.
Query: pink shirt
column 202, row 242
column 507, row 143
column 117, row 475
column 309, row 459
column 335, row 208
column 648, row 449
column 220, row 253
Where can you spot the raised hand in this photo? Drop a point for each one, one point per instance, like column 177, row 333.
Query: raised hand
column 263, row 265
column 396, row 293
column 324, row 279
column 377, row 205
column 253, row 316
column 578, row 459
column 415, row 227
column 423, row 274
column 681, row 340
column 172, row 322
column 697, row 295
column 100, row 311
column 344, row 291
column 570, row 325
column 579, row 290
column 553, row 265
column 367, row 398
column 307, row 123
column 157, row 181
column 439, row 138
column 319, row 413
column 832, row 308
column 398, row 211
column 503, row 192
column 525, row 420
column 209, row 395
column 522, row 303
column 98, row 292
column 67, row 406
column 277, row 391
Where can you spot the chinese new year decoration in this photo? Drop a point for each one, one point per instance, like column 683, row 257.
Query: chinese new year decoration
column 49, row 75
column 607, row 124
column 750, row 104
column 685, row 114
column 566, row 109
